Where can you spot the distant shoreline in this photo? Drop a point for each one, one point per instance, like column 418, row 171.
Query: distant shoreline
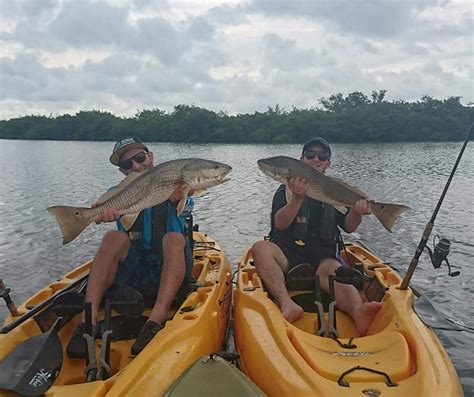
column 351, row 119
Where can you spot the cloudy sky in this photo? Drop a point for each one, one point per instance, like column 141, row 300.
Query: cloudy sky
column 62, row 56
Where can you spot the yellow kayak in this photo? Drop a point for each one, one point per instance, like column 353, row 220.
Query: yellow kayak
column 399, row 356
column 196, row 326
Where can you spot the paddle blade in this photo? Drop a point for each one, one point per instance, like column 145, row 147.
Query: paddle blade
column 33, row 366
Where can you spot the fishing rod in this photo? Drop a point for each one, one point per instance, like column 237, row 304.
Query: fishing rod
column 429, row 225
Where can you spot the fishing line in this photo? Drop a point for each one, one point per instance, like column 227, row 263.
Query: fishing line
column 429, row 225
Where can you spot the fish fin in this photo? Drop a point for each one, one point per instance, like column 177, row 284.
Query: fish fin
column 288, row 194
column 128, row 220
column 182, row 203
column 198, row 193
column 121, row 186
column 387, row 214
column 345, row 184
column 341, row 209
column 70, row 220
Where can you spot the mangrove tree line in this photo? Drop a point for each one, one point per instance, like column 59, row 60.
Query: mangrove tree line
column 340, row 118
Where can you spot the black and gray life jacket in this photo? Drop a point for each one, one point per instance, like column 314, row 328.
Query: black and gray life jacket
column 328, row 227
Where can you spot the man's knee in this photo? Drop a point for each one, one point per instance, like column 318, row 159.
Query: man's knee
column 114, row 236
column 173, row 243
column 262, row 248
column 115, row 241
column 265, row 253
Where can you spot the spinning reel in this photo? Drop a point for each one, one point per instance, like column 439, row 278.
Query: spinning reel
column 439, row 254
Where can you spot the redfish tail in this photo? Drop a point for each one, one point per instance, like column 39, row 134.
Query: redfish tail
column 387, row 214
column 70, row 220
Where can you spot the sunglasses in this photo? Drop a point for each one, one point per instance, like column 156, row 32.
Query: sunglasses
column 127, row 164
column 311, row 154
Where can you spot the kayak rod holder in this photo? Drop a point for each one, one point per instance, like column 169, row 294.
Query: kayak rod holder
column 430, row 224
column 5, row 294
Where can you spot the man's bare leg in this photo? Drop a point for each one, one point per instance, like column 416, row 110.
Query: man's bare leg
column 172, row 275
column 270, row 263
column 348, row 298
column 112, row 251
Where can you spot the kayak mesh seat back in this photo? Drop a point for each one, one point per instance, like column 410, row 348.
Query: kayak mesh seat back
column 300, row 277
column 385, row 352
column 125, row 300
column 124, row 327
column 306, row 301
column 149, row 296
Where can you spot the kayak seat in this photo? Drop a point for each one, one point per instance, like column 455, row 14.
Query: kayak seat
column 300, row 277
column 306, row 300
column 125, row 300
column 300, row 283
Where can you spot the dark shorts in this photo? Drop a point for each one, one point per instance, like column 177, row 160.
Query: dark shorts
column 311, row 253
column 143, row 272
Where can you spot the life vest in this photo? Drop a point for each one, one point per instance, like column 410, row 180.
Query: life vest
column 303, row 229
column 328, row 227
column 158, row 229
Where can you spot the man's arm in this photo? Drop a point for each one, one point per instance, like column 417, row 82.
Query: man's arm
column 287, row 214
column 354, row 217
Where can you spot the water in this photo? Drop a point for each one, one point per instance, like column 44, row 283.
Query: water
column 38, row 174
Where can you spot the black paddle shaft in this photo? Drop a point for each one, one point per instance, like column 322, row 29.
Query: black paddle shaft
column 429, row 226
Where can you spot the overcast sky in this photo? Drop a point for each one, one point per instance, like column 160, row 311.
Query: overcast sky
column 61, row 56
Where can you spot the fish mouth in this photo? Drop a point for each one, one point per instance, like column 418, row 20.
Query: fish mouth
column 263, row 164
column 226, row 172
column 268, row 169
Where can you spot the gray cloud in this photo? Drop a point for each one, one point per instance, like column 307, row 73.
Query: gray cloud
column 366, row 18
column 63, row 56
column 84, row 24
column 284, row 54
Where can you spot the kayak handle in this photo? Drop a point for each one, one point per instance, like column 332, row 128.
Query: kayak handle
column 342, row 382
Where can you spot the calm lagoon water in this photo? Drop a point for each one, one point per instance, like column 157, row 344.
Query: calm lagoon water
column 36, row 174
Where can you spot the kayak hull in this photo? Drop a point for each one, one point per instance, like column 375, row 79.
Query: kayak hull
column 195, row 328
column 399, row 356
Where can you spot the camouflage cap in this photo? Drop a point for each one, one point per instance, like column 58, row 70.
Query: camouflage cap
column 123, row 145
column 317, row 141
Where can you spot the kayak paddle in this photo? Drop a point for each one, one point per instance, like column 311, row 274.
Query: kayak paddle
column 32, row 367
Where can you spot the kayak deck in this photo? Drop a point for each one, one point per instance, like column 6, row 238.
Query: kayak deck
column 398, row 356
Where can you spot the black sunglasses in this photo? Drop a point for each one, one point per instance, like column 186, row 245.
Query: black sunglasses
column 311, row 154
column 138, row 158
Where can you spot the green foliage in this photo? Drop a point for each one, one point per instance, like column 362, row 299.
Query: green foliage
column 351, row 118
